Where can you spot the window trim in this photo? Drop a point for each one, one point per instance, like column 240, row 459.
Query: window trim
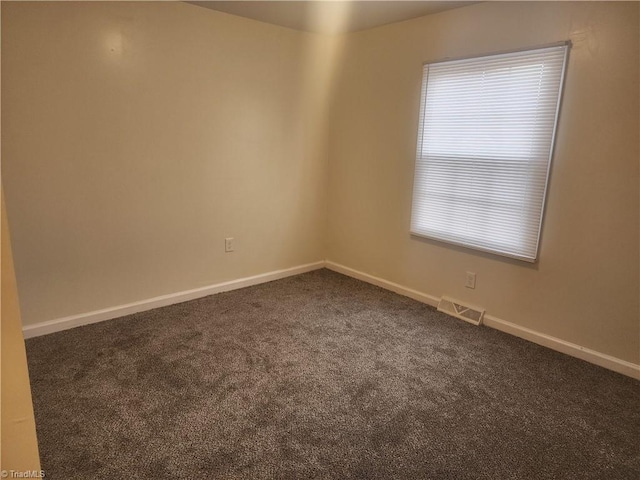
column 563, row 43
column 535, row 259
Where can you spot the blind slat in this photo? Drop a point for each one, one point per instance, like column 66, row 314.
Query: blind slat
column 485, row 138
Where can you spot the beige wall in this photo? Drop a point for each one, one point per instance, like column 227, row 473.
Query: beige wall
column 137, row 136
column 18, row 443
column 584, row 289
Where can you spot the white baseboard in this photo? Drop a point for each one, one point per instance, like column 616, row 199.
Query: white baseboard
column 387, row 285
column 583, row 353
column 559, row 345
column 65, row 323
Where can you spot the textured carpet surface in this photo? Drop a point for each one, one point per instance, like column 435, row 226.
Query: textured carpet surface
column 322, row 376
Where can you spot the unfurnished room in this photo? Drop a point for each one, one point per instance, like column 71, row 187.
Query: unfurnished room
column 320, row 239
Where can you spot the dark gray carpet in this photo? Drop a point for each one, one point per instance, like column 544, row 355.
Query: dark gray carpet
column 322, row 376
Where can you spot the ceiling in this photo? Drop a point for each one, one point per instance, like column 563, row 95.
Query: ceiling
column 330, row 16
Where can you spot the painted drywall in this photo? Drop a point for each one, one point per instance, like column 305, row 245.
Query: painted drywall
column 19, row 450
column 136, row 136
column 584, row 288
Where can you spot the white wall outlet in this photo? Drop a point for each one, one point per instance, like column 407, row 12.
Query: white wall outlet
column 228, row 244
column 471, row 280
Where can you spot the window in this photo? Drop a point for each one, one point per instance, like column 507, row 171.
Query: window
column 485, row 139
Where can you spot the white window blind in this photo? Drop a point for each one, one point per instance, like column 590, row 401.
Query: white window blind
column 485, row 139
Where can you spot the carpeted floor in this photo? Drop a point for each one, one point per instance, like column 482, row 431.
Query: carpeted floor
column 322, row 376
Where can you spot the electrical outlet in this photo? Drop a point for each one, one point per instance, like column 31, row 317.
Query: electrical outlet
column 228, row 244
column 471, row 280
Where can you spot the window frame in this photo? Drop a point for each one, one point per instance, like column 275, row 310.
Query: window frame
column 421, row 129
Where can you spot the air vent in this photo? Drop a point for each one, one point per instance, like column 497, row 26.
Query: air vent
column 460, row 310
